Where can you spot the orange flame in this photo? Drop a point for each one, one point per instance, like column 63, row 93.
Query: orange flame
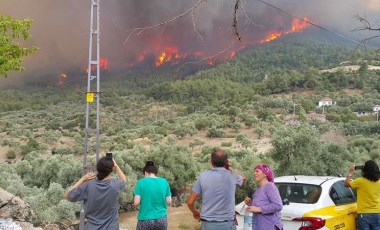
column 169, row 54
column 232, row 54
column 297, row 25
column 62, row 78
column 103, row 65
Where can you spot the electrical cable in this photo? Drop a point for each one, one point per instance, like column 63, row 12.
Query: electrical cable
column 311, row 23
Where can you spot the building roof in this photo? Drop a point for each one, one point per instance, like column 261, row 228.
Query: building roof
column 326, row 99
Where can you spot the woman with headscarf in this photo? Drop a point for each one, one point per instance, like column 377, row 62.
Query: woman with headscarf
column 266, row 202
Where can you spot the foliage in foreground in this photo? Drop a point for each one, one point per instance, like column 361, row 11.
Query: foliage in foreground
column 11, row 52
column 41, row 180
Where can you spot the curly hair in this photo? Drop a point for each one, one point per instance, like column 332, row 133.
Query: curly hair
column 104, row 167
column 371, row 171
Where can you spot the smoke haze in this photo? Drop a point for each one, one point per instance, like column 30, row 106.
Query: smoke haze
column 61, row 28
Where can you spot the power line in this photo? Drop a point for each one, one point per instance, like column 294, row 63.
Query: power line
column 311, row 23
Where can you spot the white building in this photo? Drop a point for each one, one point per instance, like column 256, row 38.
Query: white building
column 325, row 102
column 376, row 108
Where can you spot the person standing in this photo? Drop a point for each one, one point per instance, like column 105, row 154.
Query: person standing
column 99, row 194
column 217, row 189
column 152, row 196
column 266, row 203
column 368, row 195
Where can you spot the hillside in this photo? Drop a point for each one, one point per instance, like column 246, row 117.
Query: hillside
column 261, row 107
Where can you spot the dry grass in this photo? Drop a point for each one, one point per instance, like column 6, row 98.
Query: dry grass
column 179, row 218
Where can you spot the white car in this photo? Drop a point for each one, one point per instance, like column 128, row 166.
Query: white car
column 312, row 202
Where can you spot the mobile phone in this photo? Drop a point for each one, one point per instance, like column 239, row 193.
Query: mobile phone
column 227, row 165
column 109, row 155
column 358, row 167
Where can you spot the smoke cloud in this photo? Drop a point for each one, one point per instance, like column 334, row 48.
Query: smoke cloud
column 61, row 28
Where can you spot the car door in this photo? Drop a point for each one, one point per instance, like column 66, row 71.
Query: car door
column 344, row 211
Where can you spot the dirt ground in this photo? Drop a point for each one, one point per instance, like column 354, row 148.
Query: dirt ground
column 179, row 218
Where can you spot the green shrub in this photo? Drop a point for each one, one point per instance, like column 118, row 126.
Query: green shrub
column 214, row 132
column 62, row 151
column 161, row 130
column 226, row 144
column 202, row 123
column 25, row 149
column 11, row 154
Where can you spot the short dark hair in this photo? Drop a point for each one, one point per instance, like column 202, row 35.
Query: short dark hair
column 219, row 158
column 371, row 171
column 150, row 168
column 104, row 168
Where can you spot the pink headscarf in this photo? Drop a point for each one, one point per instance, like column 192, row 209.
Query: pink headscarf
column 266, row 170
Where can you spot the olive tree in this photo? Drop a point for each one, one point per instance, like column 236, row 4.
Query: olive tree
column 293, row 145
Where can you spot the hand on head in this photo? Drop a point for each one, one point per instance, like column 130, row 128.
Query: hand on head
column 228, row 165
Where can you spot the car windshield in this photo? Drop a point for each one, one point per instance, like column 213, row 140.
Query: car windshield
column 299, row 193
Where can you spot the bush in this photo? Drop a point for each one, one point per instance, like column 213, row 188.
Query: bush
column 202, row 123
column 62, row 151
column 25, row 149
column 11, row 154
column 214, row 132
column 161, row 130
column 226, row 144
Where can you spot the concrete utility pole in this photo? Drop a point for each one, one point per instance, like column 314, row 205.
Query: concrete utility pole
column 93, row 91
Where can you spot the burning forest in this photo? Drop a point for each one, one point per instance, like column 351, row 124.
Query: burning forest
column 168, row 34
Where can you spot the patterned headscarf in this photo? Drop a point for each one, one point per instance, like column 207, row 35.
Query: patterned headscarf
column 266, row 170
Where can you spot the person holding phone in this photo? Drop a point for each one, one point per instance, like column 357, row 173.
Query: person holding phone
column 368, row 194
column 100, row 194
column 217, row 188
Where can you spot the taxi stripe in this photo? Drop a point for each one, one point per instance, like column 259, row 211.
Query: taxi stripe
column 342, row 217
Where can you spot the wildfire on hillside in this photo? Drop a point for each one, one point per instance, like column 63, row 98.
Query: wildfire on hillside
column 165, row 53
column 297, row 26
column 103, row 66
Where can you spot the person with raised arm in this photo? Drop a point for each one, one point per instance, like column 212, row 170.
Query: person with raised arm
column 100, row 194
column 217, row 188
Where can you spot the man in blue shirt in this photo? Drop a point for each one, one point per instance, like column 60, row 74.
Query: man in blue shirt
column 217, row 188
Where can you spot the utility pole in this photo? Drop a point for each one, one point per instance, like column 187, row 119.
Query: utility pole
column 93, row 92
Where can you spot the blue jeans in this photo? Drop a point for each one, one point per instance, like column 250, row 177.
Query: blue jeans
column 369, row 221
column 218, row 226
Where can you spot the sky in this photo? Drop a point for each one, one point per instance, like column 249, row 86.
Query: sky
column 61, row 28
